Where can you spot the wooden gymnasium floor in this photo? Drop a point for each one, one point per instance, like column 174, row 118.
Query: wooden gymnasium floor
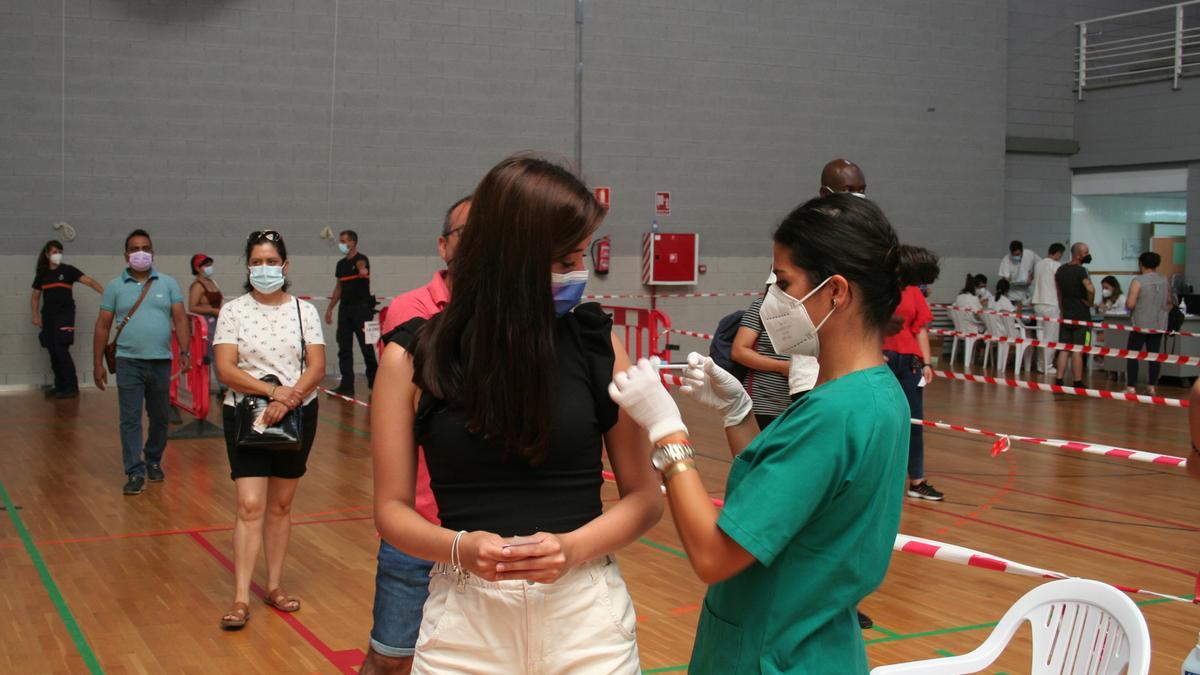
column 92, row 578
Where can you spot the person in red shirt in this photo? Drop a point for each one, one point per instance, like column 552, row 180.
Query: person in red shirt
column 402, row 581
column 907, row 351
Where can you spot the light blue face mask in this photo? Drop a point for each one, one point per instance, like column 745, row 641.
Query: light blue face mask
column 567, row 290
column 266, row 278
column 343, row 247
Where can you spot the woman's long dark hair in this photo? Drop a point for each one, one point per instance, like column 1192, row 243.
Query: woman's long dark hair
column 1002, row 288
column 491, row 352
column 848, row 235
column 973, row 282
column 43, row 261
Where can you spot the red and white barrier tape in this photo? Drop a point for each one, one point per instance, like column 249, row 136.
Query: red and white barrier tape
column 344, row 398
column 1074, row 391
column 669, row 296
column 971, row 558
column 1076, row 446
column 1098, row 351
column 692, row 333
column 1070, row 322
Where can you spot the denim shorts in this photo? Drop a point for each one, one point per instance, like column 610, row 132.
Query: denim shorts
column 401, row 588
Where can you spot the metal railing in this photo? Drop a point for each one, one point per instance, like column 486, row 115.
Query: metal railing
column 1161, row 43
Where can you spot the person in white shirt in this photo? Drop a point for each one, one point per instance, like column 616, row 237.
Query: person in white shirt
column 1002, row 301
column 973, row 296
column 1112, row 299
column 1045, row 302
column 1017, row 268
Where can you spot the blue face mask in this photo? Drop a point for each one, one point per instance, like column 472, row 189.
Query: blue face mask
column 266, row 278
column 568, row 290
column 344, row 248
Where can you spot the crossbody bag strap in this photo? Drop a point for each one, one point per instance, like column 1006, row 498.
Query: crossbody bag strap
column 125, row 321
column 303, row 344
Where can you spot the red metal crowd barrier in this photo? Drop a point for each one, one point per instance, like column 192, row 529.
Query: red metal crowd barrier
column 644, row 331
column 195, row 383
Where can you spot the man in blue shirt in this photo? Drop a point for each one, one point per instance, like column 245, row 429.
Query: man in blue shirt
column 143, row 355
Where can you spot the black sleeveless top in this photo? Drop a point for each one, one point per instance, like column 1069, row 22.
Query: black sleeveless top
column 478, row 488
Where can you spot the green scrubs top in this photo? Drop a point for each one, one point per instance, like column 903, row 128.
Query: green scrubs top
column 816, row 500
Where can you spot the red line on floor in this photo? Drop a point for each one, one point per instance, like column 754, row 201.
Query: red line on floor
column 1059, row 540
column 346, row 660
column 165, row 533
column 1085, row 505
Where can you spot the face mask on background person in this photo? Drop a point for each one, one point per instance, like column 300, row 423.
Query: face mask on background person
column 56, row 258
column 982, row 291
column 1106, row 293
column 567, row 290
column 266, row 278
column 343, row 247
column 788, row 324
column 208, row 270
column 141, row 260
column 1087, row 259
column 1016, row 259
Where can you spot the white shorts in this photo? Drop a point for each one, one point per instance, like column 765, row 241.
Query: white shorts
column 584, row 623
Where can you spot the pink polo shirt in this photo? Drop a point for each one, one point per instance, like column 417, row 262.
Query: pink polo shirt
column 421, row 302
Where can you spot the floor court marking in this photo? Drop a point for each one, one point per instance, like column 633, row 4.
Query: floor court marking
column 60, row 603
column 203, row 528
column 345, row 660
column 1080, row 504
column 1059, row 540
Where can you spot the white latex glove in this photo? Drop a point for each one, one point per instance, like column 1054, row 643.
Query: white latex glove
column 640, row 392
column 712, row 385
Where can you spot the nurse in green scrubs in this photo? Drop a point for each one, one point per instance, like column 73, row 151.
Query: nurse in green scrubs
column 812, row 503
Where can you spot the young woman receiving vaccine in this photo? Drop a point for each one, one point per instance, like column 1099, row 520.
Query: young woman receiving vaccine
column 506, row 392
column 812, row 504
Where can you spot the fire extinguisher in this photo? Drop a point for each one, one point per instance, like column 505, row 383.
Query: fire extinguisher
column 601, row 255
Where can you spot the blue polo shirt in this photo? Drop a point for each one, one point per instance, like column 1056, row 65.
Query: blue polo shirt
column 148, row 335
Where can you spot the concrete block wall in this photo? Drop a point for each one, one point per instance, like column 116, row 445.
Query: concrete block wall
column 204, row 120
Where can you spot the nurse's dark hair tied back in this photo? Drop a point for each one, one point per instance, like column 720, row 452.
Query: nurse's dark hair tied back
column 849, row 235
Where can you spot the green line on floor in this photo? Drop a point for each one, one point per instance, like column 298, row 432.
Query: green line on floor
column 885, row 631
column 662, row 547
column 668, row 669
column 60, row 604
column 345, row 427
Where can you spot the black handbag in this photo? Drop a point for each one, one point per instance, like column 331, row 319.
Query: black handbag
column 288, row 433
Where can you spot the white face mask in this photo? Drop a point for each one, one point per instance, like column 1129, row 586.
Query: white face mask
column 56, row 258
column 208, row 270
column 981, row 292
column 788, row 324
column 1107, row 293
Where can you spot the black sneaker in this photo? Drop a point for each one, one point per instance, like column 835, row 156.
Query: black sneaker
column 924, row 490
column 864, row 621
column 135, row 485
column 154, row 473
column 1079, row 384
column 1058, row 382
column 344, row 391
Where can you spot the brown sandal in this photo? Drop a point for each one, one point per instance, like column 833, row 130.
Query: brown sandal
column 240, row 610
column 281, row 601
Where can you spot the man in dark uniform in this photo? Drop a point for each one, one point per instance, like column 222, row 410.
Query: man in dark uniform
column 353, row 291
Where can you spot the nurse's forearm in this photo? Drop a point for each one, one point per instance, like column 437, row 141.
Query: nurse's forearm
column 712, row 554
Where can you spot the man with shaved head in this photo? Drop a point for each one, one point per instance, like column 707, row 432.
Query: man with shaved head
column 1075, row 296
column 842, row 175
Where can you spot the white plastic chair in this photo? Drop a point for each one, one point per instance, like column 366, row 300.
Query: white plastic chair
column 1017, row 329
column 963, row 324
column 997, row 326
column 1080, row 627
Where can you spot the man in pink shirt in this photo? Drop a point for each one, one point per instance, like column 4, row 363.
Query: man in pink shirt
column 402, row 581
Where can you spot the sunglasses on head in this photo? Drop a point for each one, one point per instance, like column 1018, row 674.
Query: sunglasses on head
column 268, row 235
